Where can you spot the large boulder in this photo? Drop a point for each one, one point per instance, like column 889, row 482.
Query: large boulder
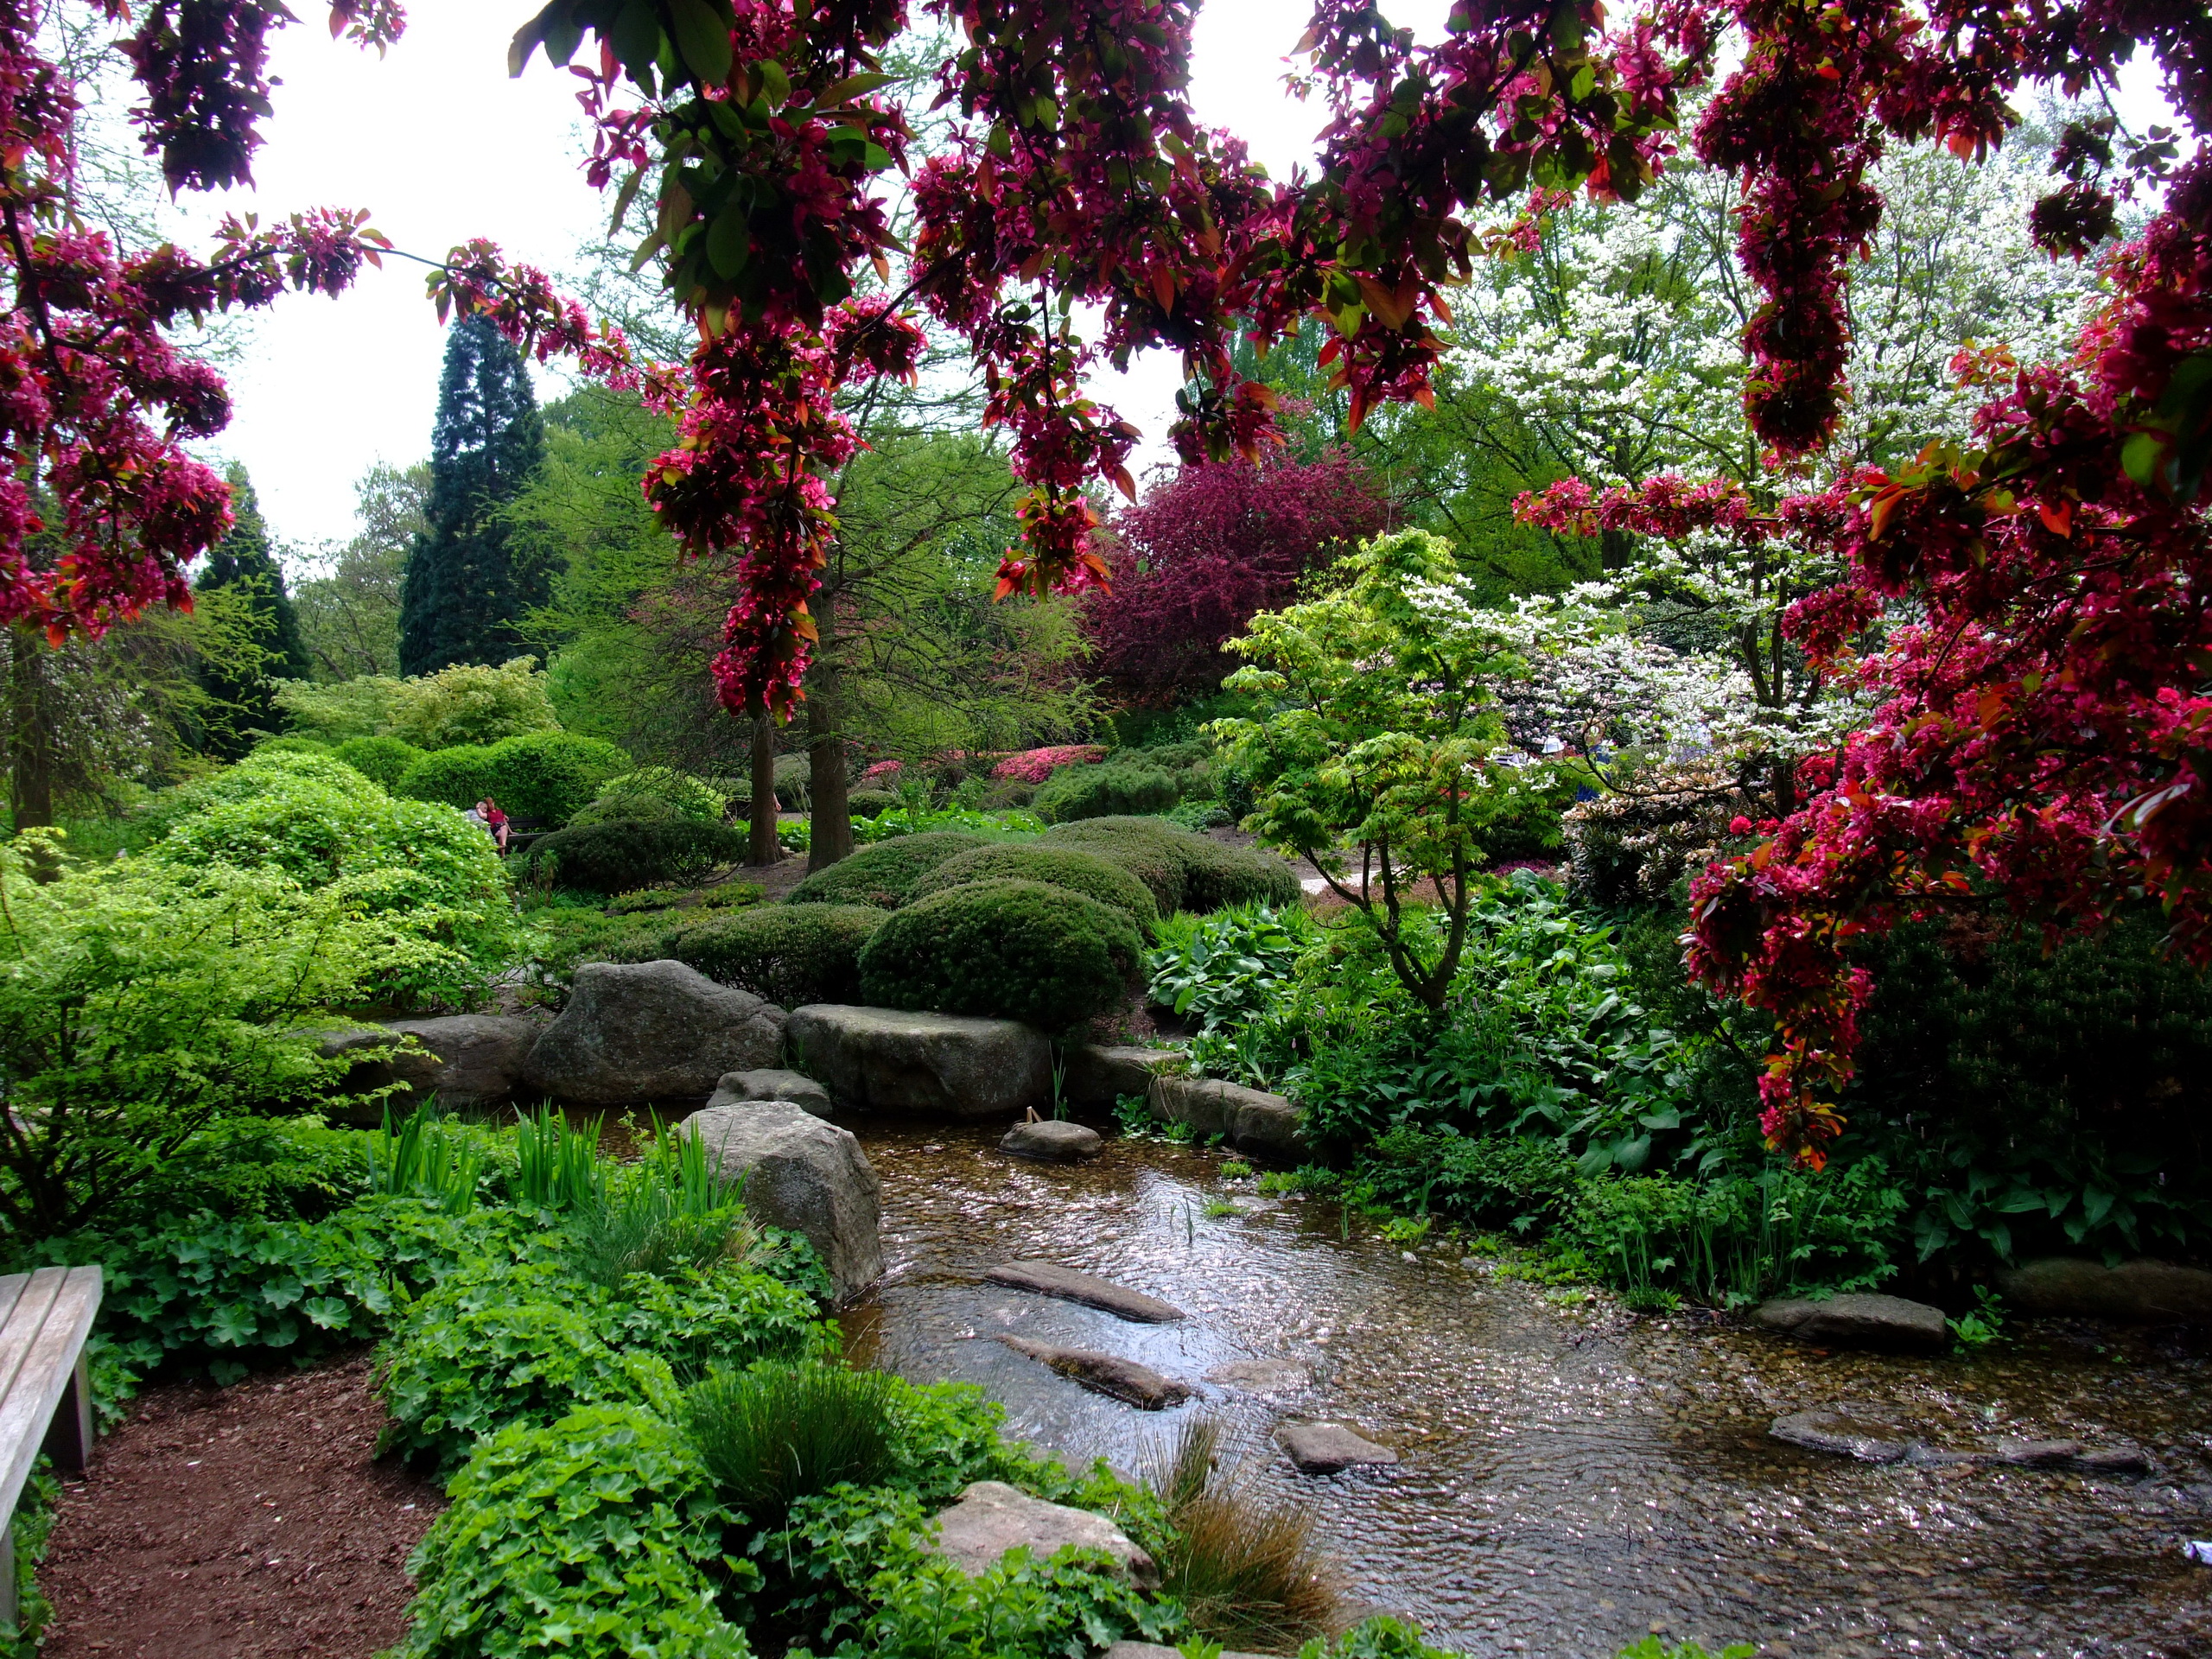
column 2142, row 1292
column 772, row 1084
column 992, row 1517
column 635, row 1032
column 799, row 1172
column 941, row 1064
column 465, row 1059
column 1859, row 1321
column 1251, row 1119
column 1095, row 1076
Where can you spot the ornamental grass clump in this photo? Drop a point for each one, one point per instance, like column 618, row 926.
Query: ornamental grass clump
column 1072, row 867
column 1245, row 1566
column 1004, row 949
column 670, row 1210
column 774, row 1434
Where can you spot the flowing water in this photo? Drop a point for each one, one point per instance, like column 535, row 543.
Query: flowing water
column 1573, row 1477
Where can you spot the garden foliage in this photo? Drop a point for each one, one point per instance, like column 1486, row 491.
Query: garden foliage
column 1006, row 949
column 628, row 853
column 792, row 955
column 546, row 778
column 1076, row 870
column 1183, row 870
column 882, row 875
column 1117, row 788
column 382, row 760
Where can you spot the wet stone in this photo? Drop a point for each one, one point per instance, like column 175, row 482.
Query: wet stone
column 1261, row 1375
column 1888, row 1323
column 1846, row 1432
column 1052, row 1142
column 1107, row 1373
column 992, row 1517
column 1050, row 1278
column 1330, row 1448
column 736, row 1087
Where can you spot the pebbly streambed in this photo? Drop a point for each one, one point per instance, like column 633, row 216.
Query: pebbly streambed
column 1572, row 1477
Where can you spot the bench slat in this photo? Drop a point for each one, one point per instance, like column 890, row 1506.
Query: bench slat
column 26, row 1318
column 67, row 1305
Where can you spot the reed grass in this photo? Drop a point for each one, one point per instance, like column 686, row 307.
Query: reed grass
column 778, row 1433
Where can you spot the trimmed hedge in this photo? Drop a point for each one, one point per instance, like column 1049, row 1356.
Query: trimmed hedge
column 790, row 955
column 1008, row 950
column 1079, row 791
column 652, row 792
column 883, row 876
column 1183, row 870
column 630, row 853
column 548, row 777
column 384, row 759
column 1072, row 867
column 870, row 803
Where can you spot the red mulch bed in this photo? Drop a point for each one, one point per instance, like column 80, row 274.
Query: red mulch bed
column 245, row 1523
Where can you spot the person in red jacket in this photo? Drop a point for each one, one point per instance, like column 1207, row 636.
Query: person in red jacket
column 496, row 821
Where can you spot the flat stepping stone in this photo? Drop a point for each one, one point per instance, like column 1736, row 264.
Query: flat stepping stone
column 1330, row 1448
column 1052, row 1142
column 1873, row 1434
column 992, row 1517
column 1107, row 1373
column 1050, row 1278
column 1263, row 1375
column 1859, row 1321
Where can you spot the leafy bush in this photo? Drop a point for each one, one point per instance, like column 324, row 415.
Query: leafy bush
column 1103, row 791
column 1501, row 1182
column 420, row 871
column 384, row 760
column 1644, row 844
column 1034, row 766
column 599, row 1535
column 909, row 819
column 775, row 1433
column 620, row 856
column 458, row 777
column 923, row 1607
column 1059, row 866
column 792, row 955
column 276, row 1168
column 653, row 792
column 549, row 777
column 1201, row 816
column 469, row 703
column 1009, row 950
column 883, row 876
column 291, row 743
column 1214, row 875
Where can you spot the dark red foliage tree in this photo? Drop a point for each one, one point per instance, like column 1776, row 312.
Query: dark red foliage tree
column 1208, row 548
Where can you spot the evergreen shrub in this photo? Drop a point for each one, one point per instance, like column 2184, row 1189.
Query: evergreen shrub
column 1072, row 867
column 883, row 875
column 458, row 777
column 385, row 760
column 1007, row 950
column 621, row 856
column 291, row 743
column 655, row 792
column 1099, row 791
column 870, row 803
column 1184, row 870
column 549, row 777
column 792, row 955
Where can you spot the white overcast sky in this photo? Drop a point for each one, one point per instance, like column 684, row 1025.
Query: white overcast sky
column 439, row 145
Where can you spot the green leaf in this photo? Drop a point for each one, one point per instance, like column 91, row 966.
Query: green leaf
column 775, row 84
column 730, row 241
column 850, row 87
column 702, row 37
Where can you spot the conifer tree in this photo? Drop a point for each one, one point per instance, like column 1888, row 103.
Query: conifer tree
column 465, row 589
column 241, row 697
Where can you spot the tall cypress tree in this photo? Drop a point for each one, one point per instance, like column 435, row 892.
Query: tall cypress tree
column 464, row 591
column 244, row 703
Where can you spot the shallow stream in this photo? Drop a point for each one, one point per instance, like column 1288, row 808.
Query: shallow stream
column 1573, row 1477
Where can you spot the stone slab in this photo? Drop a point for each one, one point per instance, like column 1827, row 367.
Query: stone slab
column 992, row 1517
column 770, row 1083
column 1263, row 1375
column 2142, row 1291
column 928, row 1064
column 1095, row 1076
column 1888, row 1323
column 650, row 1031
column 1050, row 1278
column 1108, row 1374
column 1330, row 1448
column 1052, row 1142
column 1251, row 1119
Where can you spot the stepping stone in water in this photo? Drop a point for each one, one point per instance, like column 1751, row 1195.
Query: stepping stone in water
column 1330, row 1448
column 1054, row 1142
column 1859, row 1321
column 1050, row 1278
column 1107, row 1373
column 1261, row 1375
column 992, row 1517
column 1875, row 1433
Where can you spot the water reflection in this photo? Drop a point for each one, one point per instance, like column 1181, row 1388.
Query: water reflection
column 1572, row 1478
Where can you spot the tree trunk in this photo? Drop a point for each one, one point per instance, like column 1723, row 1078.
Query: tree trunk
column 832, row 823
column 30, row 757
column 762, row 846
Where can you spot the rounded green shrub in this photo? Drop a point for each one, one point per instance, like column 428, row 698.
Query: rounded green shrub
column 870, row 803
column 1072, row 867
column 385, row 759
column 1100, row 792
column 458, row 777
column 1009, row 950
column 549, row 777
column 792, row 955
column 291, row 743
column 883, row 875
column 655, row 792
column 630, row 853
column 1184, row 870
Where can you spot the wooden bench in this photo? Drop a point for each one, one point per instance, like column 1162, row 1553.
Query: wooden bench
column 45, row 1397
